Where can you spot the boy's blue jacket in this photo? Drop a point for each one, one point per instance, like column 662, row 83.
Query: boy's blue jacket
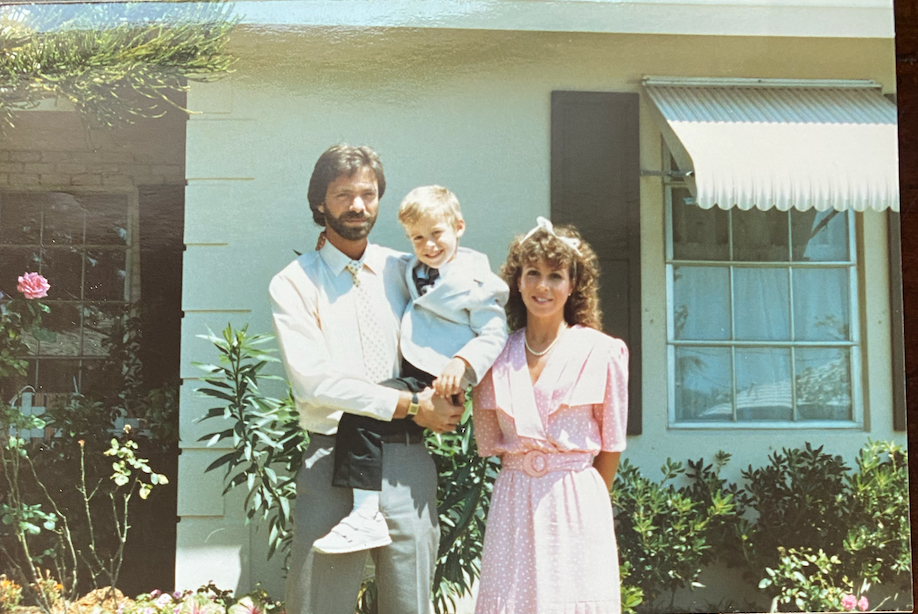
column 462, row 315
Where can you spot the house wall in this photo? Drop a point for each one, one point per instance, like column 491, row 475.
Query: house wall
column 470, row 110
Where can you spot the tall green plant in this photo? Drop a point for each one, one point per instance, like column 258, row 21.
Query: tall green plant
column 268, row 442
column 463, row 499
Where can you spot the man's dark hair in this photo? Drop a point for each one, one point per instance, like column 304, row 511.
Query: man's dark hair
column 341, row 160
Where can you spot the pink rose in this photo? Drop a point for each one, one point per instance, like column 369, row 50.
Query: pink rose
column 848, row 602
column 33, row 285
column 863, row 604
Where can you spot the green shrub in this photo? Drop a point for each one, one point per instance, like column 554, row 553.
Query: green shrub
column 665, row 534
column 823, row 531
column 878, row 534
column 795, row 501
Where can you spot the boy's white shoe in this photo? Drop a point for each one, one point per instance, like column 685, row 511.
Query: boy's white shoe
column 356, row 531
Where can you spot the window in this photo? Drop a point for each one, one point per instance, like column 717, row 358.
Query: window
column 762, row 316
column 83, row 244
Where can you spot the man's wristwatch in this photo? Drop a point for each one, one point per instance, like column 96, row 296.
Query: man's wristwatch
column 413, row 407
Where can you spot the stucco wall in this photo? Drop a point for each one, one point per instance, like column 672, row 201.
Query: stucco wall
column 469, row 110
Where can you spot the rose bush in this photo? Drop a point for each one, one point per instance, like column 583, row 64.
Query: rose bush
column 17, row 318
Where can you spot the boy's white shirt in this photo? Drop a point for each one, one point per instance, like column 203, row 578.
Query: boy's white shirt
column 462, row 315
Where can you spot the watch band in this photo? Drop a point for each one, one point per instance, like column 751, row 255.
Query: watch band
column 413, row 406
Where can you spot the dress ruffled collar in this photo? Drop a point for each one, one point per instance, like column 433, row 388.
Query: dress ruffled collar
column 575, row 374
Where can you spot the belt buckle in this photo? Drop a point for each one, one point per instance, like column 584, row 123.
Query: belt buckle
column 535, row 463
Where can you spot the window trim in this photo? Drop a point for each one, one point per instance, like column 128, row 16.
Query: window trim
column 855, row 343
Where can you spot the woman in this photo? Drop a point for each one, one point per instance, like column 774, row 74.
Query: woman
column 553, row 407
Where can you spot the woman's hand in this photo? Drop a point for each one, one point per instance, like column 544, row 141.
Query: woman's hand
column 450, row 380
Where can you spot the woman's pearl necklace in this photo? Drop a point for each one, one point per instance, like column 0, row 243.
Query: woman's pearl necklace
column 546, row 350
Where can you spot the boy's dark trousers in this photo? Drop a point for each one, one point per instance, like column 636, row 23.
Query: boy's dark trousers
column 359, row 443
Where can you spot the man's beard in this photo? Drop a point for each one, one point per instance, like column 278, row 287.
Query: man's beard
column 350, row 233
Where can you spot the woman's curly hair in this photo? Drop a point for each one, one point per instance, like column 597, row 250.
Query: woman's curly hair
column 542, row 246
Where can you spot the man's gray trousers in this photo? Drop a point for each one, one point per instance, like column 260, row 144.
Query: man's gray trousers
column 329, row 583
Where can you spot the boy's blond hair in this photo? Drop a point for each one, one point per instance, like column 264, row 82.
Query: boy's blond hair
column 431, row 200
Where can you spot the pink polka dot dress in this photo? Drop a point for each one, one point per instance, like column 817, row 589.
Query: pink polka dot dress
column 549, row 540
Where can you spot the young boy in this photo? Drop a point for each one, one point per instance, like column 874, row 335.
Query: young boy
column 451, row 332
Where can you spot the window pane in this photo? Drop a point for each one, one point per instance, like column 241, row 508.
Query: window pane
column 823, row 383
column 701, row 302
column 33, row 344
column 20, row 219
column 761, row 304
column 106, row 219
column 63, row 324
column 760, row 236
column 96, row 379
column 820, row 235
column 63, row 220
column 703, row 384
column 97, row 325
column 821, row 304
column 763, row 384
column 699, row 234
column 17, row 261
column 63, row 267
column 58, row 375
column 105, row 275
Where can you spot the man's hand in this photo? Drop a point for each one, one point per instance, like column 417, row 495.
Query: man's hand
column 450, row 380
column 436, row 413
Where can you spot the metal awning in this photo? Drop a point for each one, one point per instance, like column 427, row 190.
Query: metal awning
column 770, row 143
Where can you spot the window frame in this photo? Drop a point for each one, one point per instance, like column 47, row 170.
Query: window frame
column 854, row 344
column 132, row 261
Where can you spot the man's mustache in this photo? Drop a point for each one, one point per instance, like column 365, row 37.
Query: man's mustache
column 354, row 216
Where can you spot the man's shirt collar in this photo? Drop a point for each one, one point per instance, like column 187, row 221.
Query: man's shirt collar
column 336, row 260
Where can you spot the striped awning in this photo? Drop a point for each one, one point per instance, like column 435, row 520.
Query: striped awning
column 782, row 144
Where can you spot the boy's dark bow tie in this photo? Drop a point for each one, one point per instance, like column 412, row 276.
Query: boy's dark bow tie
column 423, row 284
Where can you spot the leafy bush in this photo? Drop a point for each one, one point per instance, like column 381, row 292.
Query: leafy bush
column 796, row 501
column 665, row 534
column 877, row 515
column 823, row 531
column 812, row 582
column 82, row 528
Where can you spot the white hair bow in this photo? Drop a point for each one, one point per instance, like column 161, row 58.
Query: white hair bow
column 543, row 224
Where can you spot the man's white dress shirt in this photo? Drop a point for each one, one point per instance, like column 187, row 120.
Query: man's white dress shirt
column 315, row 318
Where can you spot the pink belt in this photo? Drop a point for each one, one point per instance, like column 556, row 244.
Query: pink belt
column 537, row 463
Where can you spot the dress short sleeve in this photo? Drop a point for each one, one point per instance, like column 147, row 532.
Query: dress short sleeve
column 612, row 415
column 484, row 417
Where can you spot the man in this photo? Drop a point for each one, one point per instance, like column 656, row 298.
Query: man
column 336, row 313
